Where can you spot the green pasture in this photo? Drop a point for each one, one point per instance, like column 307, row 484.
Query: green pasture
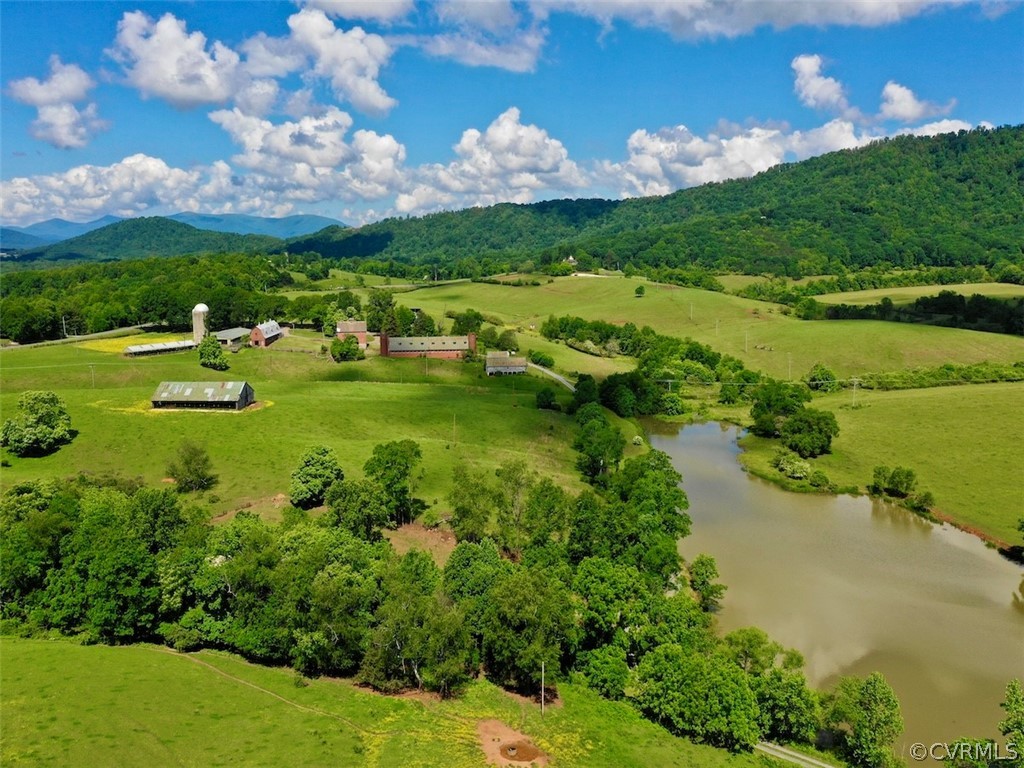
column 756, row 332
column 139, row 705
column 450, row 408
column 908, row 294
column 963, row 443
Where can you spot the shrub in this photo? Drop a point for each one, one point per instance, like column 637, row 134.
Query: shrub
column 192, row 469
column 791, row 466
column 211, row 354
column 546, row 400
column 541, row 358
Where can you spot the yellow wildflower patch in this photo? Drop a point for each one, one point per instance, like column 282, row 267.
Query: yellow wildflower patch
column 116, row 345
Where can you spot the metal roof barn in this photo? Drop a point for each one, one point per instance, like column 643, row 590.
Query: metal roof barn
column 157, row 348
column 231, row 395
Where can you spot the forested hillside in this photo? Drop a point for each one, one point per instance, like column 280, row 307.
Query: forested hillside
column 945, row 200
column 149, row 236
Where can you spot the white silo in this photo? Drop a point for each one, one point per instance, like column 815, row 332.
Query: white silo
column 199, row 322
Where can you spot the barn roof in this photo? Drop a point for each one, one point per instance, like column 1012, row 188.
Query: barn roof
column 427, row 343
column 351, row 326
column 199, row 391
column 505, row 360
column 232, row 334
column 269, row 328
column 163, row 346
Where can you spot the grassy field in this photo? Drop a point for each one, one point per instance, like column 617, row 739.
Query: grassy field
column 451, row 409
column 756, row 332
column 910, row 293
column 962, row 442
column 67, row 704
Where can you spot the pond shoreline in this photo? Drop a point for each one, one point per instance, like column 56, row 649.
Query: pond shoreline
column 1012, row 552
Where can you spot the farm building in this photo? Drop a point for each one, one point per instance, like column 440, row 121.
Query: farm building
column 265, row 334
column 232, row 335
column 231, row 395
column 136, row 350
column 355, row 328
column 441, row 347
column 504, row 364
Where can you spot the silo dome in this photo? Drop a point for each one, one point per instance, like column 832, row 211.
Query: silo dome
column 201, row 308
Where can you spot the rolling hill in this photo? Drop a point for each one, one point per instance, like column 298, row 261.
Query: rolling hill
column 907, row 201
column 143, row 237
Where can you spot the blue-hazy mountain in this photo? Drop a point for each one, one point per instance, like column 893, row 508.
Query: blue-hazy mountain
column 241, row 224
column 55, row 230
column 13, row 239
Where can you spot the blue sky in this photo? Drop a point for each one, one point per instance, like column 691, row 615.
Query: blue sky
column 362, row 109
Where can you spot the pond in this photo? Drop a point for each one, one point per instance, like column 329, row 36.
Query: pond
column 857, row 586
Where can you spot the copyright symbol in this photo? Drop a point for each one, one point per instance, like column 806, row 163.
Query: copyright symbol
column 918, row 751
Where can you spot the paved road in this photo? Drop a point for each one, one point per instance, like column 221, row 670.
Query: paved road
column 557, row 377
column 790, row 756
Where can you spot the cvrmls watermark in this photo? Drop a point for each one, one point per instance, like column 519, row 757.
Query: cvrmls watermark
column 967, row 751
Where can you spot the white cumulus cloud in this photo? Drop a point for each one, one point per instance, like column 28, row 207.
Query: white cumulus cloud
column 817, row 91
column 368, row 10
column 161, row 58
column 59, row 122
column 674, row 158
column 900, row 103
column 350, row 59
column 508, row 162
column 695, row 19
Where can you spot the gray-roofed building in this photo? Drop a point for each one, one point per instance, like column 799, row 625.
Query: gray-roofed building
column 355, row 328
column 444, row 347
column 234, row 395
column 265, row 333
column 504, row 364
column 136, row 350
column 232, row 335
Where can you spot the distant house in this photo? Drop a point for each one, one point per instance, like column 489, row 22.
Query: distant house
column 441, row 347
column 265, row 334
column 504, row 364
column 232, row 335
column 355, row 328
column 136, row 350
column 226, row 395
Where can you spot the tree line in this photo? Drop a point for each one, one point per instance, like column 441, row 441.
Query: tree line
column 588, row 586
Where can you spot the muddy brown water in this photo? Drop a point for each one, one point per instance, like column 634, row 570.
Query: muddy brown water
column 857, row 586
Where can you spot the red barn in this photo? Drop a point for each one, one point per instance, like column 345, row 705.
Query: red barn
column 265, row 334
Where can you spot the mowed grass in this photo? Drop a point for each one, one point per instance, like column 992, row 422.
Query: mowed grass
column 908, row 294
column 962, row 442
column 756, row 332
column 451, row 409
column 66, row 704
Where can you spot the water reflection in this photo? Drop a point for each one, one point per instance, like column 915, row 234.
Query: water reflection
column 857, row 585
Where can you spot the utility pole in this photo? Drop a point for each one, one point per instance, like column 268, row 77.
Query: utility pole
column 64, row 324
column 542, row 689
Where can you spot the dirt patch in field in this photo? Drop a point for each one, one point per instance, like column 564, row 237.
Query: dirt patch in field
column 504, row 746
column 436, row 542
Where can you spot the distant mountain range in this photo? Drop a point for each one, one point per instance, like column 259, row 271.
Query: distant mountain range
column 143, row 237
column 947, row 200
column 57, row 230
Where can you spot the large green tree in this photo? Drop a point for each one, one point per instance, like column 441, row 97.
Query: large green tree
column 705, row 697
column 318, row 470
column 869, row 713
column 41, row 426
